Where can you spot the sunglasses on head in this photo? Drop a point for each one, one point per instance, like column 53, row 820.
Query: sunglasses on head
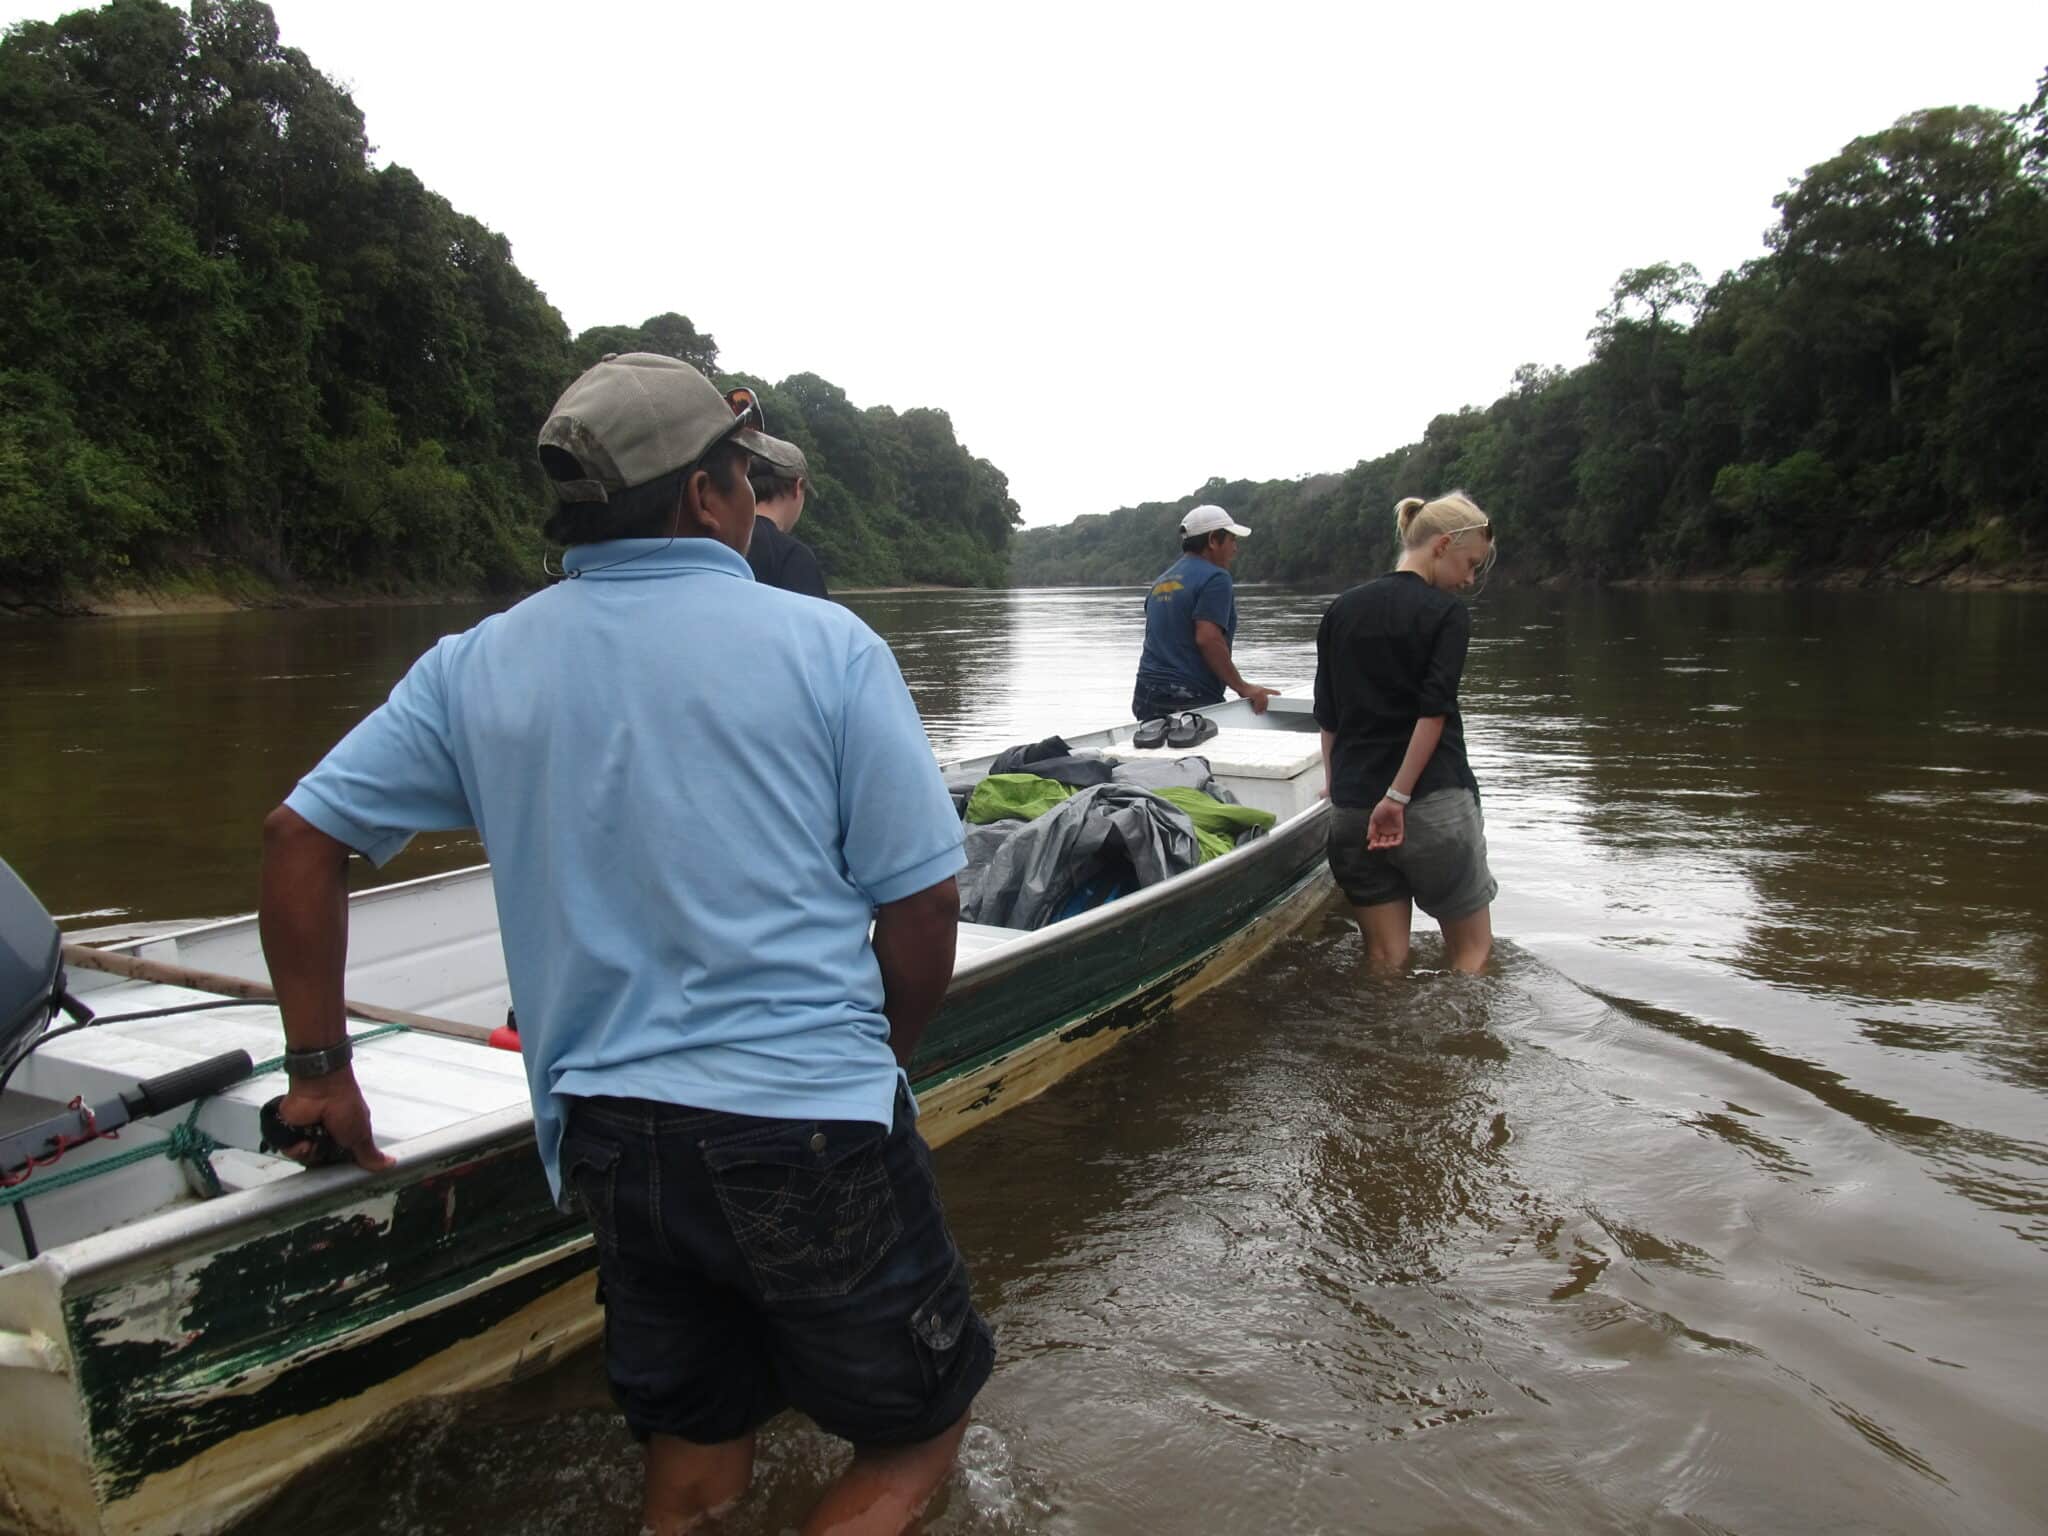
column 747, row 406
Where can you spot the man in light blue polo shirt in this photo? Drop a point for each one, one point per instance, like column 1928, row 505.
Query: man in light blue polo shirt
column 696, row 792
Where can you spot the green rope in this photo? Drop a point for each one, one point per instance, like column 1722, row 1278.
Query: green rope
column 185, row 1144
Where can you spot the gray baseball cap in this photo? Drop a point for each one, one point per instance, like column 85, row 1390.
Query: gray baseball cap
column 635, row 416
column 786, row 459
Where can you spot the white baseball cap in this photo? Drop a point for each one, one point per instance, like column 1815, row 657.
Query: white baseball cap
column 1210, row 520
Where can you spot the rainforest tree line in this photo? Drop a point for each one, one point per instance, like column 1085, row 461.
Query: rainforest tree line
column 232, row 341
column 1870, row 395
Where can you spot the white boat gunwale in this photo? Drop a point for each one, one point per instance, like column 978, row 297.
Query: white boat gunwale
column 186, row 1223
column 100, row 1486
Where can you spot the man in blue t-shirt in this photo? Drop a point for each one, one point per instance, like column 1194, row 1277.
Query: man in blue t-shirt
column 697, row 792
column 1190, row 622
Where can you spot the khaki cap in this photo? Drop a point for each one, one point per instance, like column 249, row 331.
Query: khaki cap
column 635, row 416
column 786, row 459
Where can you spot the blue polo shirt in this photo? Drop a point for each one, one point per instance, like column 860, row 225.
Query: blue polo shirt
column 1191, row 588
column 694, row 790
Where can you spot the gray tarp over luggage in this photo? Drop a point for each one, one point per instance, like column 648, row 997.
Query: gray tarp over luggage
column 1190, row 772
column 1036, row 866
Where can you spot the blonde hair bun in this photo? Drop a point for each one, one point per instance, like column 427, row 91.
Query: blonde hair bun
column 1453, row 512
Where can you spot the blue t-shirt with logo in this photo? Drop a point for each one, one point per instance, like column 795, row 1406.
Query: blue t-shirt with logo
column 694, row 791
column 1191, row 588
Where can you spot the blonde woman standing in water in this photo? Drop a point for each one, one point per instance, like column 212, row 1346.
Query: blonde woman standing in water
column 1406, row 829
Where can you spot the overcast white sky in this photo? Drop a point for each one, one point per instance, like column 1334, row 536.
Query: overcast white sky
column 1129, row 247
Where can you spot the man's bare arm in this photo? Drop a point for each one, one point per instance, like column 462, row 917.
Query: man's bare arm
column 914, row 944
column 304, row 923
column 1215, row 648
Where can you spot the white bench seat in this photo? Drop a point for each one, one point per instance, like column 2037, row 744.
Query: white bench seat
column 1238, row 753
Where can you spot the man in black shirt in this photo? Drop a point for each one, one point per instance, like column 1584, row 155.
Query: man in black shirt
column 778, row 559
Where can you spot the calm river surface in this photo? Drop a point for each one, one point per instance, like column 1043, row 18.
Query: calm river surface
column 1721, row 1205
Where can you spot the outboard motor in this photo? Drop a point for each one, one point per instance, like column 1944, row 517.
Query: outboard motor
column 31, row 969
column 32, row 991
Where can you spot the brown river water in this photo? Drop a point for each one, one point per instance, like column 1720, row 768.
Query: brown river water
column 1719, row 1205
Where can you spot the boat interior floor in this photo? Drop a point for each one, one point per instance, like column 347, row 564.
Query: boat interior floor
column 446, row 963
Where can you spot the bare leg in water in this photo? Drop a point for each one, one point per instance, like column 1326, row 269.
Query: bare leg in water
column 1384, row 926
column 879, row 1494
column 884, row 1490
column 1468, row 940
column 689, row 1483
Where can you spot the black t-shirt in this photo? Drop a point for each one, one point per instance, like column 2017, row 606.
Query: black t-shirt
column 1389, row 652
column 783, row 560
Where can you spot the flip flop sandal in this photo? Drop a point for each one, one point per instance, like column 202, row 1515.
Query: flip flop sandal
column 1184, row 730
column 1149, row 735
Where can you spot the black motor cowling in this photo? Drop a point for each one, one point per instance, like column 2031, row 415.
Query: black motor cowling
column 31, row 966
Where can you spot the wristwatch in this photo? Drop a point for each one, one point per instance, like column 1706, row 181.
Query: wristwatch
column 330, row 1058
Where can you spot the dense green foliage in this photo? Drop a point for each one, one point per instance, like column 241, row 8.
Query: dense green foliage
column 894, row 498
column 232, row 340
column 1871, row 395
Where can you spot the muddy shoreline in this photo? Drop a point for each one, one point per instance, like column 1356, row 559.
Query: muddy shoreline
column 156, row 601
column 149, row 602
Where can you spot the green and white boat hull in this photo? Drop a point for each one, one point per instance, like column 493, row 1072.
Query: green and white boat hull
column 167, row 1373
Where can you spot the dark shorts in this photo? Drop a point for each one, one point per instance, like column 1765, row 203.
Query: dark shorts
column 748, row 1265
column 1440, row 865
column 1152, row 700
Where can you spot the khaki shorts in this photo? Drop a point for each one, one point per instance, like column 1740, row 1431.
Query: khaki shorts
column 1440, row 865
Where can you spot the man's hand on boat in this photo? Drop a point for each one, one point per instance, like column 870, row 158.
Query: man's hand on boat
column 335, row 1104
column 304, row 923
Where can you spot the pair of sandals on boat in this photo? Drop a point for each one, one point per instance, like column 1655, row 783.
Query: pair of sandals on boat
column 1185, row 729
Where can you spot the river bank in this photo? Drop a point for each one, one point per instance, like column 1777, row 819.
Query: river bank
column 2017, row 576
column 923, row 586
column 252, row 593
column 255, row 594
column 233, row 592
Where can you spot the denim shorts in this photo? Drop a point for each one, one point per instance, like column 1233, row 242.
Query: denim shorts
column 1440, row 864
column 747, row 1265
column 1155, row 701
